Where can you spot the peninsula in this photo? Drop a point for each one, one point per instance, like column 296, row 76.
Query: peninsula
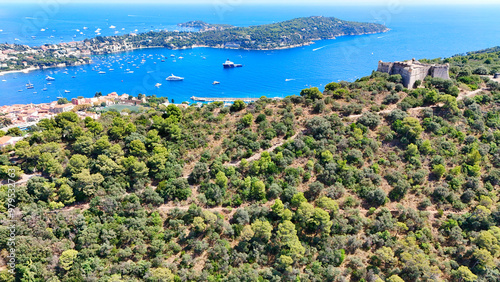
column 288, row 34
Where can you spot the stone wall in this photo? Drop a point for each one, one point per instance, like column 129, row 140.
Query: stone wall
column 413, row 70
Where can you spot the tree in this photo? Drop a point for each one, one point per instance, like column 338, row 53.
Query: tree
column 221, row 179
column 77, row 163
column 247, row 120
column 369, row 119
column 14, row 131
column 262, row 230
column 67, row 259
column 312, row 93
column 160, row 274
column 237, row 106
column 258, row 190
column 278, row 208
column 65, row 194
column 463, row 273
column 137, row 148
column 62, row 101
column 174, row 189
column 40, row 188
column 173, row 110
column 332, row 86
column 288, row 240
column 87, row 183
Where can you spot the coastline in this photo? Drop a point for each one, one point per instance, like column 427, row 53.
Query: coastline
column 192, row 47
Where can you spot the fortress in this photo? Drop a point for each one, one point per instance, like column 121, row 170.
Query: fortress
column 414, row 70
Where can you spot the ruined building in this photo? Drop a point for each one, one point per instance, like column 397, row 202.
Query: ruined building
column 414, row 70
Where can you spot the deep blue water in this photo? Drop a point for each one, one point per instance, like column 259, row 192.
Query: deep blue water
column 416, row 32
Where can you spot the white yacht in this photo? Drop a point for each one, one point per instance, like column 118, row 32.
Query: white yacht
column 49, row 78
column 215, row 82
column 174, row 78
column 102, row 72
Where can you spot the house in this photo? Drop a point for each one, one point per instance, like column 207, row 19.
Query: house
column 62, row 108
column 8, row 140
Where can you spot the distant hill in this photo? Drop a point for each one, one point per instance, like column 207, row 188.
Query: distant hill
column 287, row 34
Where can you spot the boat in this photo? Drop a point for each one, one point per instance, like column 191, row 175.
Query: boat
column 111, row 69
column 49, row 78
column 102, row 72
column 174, row 78
column 44, row 89
column 20, row 90
column 215, row 82
column 29, row 85
column 180, row 58
column 35, row 92
column 163, row 60
column 73, row 76
column 49, row 83
column 172, row 55
column 66, row 91
column 130, row 72
column 157, row 84
column 229, row 64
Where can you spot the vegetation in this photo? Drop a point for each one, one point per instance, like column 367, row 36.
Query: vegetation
column 285, row 34
column 366, row 189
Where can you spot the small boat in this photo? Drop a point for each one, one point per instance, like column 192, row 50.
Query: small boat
column 66, row 91
column 29, row 85
column 49, row 83
column 73, row 76
column 49, row 78
column 215, row 82
column 130, row 72
column 163, row 60
column 102, row 72
column 35, row 92
column 44, row 89
column 111, row 69
column 20, row 90
column 174, row 78
column 180, row 58
column 172, row 55
column 157, row 84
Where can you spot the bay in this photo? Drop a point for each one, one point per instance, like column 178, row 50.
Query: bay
column 416, row 32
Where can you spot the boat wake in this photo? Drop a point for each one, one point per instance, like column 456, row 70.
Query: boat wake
column 319, row 48
column 289, row 79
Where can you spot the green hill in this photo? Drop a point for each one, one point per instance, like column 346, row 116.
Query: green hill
column 365, row 181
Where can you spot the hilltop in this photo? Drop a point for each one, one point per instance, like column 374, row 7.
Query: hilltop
column 362, row 181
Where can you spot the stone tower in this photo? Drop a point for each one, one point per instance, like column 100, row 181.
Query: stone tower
column 414, row 70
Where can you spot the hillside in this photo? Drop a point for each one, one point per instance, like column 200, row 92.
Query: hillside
column 287, row 34
column 365, row 181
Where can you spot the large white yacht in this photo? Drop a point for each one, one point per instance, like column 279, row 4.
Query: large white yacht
column 174, row 78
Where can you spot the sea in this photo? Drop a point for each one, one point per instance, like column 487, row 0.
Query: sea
column 415, row 32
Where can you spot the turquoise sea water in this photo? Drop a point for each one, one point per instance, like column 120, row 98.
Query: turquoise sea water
column 416, row 32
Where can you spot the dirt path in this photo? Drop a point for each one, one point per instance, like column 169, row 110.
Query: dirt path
column 270, row 149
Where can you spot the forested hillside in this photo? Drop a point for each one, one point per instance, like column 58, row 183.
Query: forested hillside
column 365, row 181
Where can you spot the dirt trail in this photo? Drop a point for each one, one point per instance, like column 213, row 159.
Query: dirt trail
column 257, row 155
